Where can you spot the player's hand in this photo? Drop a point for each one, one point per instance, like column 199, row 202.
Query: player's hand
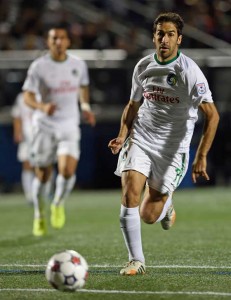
column 116, row 144
column 49, row 108
column 89, row 117
column 199, row 169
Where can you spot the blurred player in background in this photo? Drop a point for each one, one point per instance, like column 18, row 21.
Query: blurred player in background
column 62, row 81
column 22, row 134
column 155, row 156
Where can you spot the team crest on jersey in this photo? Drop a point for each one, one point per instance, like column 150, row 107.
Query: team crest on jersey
column 201, row 89
column 75, row 72
column 172, row 79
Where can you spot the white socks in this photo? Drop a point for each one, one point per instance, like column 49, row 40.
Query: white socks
column 37, row 192
column 131, row 229
column 165, row 208
column 39, row 189
column 63, row 188
column 27, row 177
column 50, row 185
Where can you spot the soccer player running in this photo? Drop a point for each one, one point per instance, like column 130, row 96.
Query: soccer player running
column 62, row 81
column 155, row 135
column 22, row 133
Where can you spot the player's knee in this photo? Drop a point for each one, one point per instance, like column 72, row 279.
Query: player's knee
column 66, row 172
column 130, row 198
column 148, row 219
column 67, row 175
column 42, row 174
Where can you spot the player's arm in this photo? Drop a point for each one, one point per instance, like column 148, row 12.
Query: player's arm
column 17, row 130
column 210, row 127
column 85, row 105
column 30, row 100
column 128, row 116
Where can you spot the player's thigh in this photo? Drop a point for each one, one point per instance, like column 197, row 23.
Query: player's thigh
column 67, row 165
column 26, row 165
column 167, row 172
column 133, row 183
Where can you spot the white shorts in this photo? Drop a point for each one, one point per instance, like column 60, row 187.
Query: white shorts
column 23, row 153
column 164, row 171
column 47, row 146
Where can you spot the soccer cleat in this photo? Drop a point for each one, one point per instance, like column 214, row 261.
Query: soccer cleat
column 169, row 218
column 57, row 216
column 39, row 227
column 134, row 267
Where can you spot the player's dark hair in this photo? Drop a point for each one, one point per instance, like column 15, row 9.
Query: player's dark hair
column 169, row 17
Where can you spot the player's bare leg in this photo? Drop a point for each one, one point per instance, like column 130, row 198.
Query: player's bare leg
column 157, row 207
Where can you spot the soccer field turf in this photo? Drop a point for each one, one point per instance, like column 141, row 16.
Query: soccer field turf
column 190, row 261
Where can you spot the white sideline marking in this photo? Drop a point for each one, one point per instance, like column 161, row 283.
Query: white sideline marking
column 119, row 266
column 168, row 266
column 127, row 292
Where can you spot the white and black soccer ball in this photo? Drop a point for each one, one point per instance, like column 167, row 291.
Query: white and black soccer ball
column 67, row 271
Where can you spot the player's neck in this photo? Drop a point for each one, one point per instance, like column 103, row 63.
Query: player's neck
column 162, row 61
column 58, row 57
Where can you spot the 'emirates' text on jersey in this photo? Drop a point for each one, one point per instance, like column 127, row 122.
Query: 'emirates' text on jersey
column 172, row 93
column 57, row 82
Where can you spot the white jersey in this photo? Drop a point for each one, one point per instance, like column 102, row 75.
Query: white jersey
column 57, row 82
column 22, row 111
column 171, row 95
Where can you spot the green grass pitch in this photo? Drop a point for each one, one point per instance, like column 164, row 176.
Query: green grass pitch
column 190, row 261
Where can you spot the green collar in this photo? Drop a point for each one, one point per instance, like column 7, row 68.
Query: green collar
column 166, row 62
column 58, row 61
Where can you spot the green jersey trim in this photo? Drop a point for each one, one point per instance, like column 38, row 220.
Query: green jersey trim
column 180, row 171
column 166, row 62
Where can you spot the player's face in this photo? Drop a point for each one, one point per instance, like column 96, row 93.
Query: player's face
column 58, row 42
column 167, row 41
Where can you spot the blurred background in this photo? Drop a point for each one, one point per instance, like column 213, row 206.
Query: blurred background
column 112, row 36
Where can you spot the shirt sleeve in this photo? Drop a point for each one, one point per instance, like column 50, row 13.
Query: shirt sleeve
column 200, row 88
column 137, row 89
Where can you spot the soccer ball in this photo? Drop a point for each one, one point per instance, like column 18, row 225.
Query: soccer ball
column 67, row 271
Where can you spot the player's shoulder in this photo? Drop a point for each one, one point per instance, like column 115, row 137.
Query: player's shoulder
column 187, row 63
column 75, row 59
column 143, row 63
column 190, row 69
column 146, row 59
column 41, row 60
